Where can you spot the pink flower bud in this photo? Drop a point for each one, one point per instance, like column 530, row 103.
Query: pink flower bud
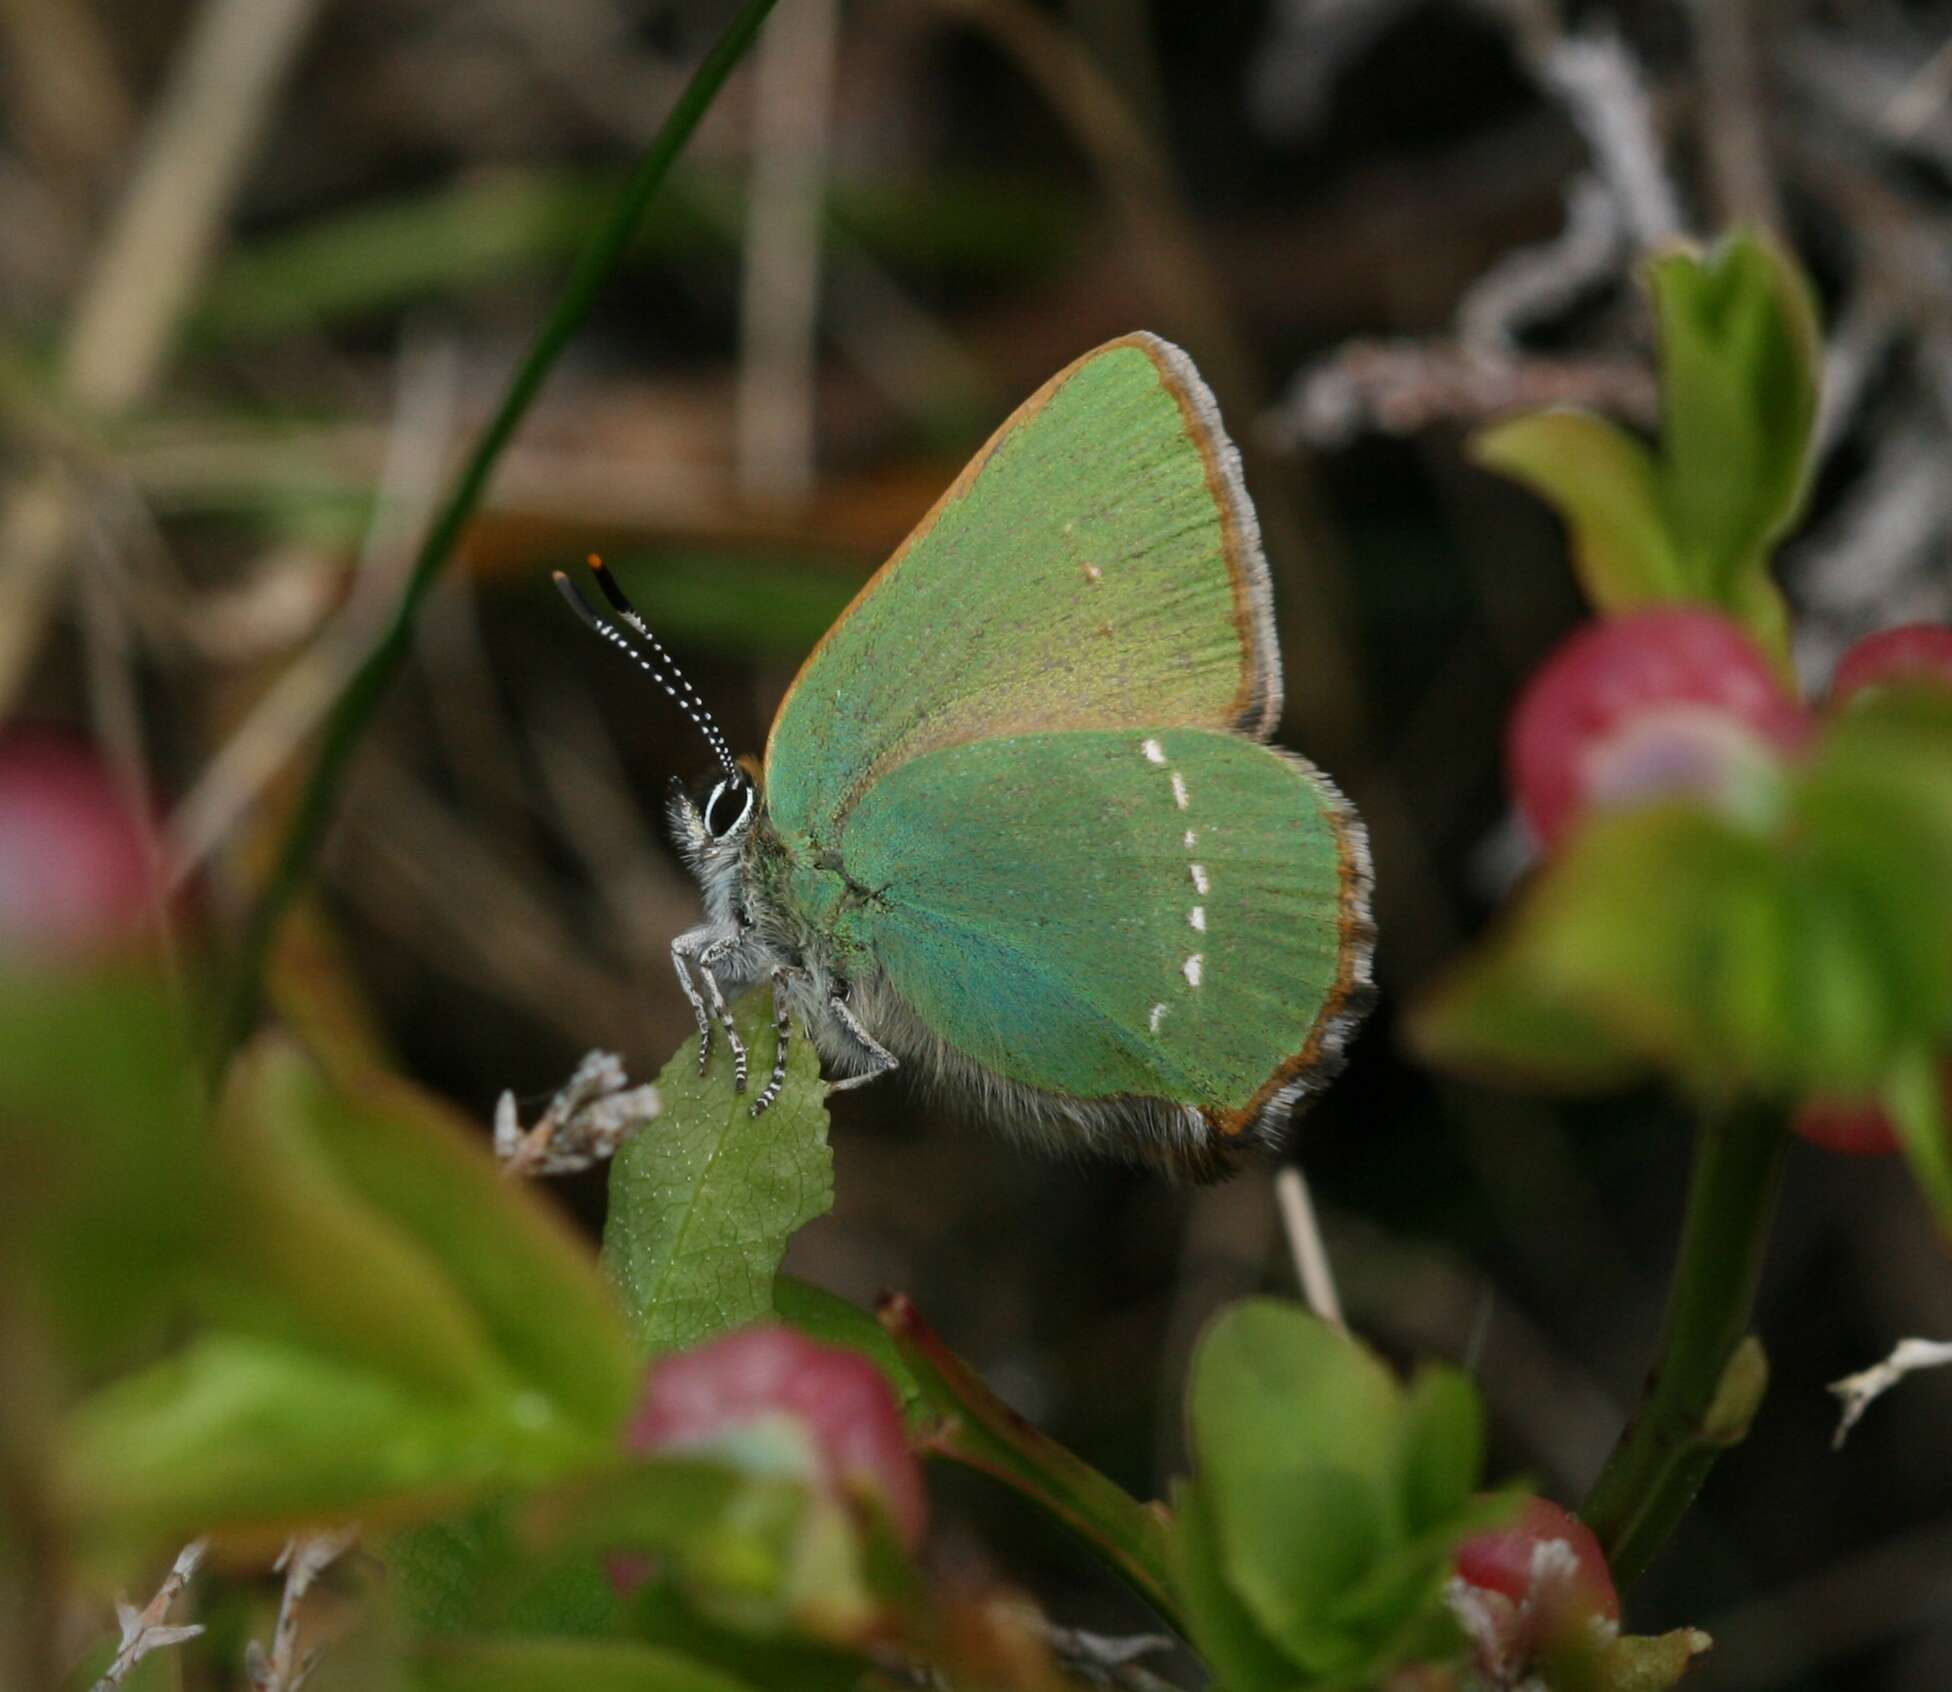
column 1914, row 652
column 1633, row 708
column 1529, row 1592
column 1506, row 1560
column 78, row 875
column 769, row 1398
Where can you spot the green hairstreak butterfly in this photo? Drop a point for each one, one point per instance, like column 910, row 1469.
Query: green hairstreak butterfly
column 1017, row 829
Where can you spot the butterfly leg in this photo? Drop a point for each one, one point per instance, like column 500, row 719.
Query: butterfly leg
column 704, row 947
column 884, row 1060
column 710, row 956
column 782, row 1033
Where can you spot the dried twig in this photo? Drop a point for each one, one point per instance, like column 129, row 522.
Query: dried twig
column 1599, row 84
column 1305, row 1242
column 303, row 1560
column 1858, row 1391
column 148, row 1629
column 127, row 309
column 595, row 1112
column 1537, row 283
column 1401, row 387
column 1103, row 1659
column 279, row 724
column 792, row 75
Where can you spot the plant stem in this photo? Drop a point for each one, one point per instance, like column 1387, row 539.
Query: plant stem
column 370, row 681
column 976, row 1428
column 1666, row 1451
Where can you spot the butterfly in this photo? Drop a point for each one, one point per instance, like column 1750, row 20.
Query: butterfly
column 1017, row 829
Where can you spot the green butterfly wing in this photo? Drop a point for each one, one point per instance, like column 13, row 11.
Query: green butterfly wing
column 1096, row 566
column 1174, row 914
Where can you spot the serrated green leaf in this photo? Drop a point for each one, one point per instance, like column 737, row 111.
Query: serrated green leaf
column 552, row 1665
column 703, row 1204
column 1604, row 483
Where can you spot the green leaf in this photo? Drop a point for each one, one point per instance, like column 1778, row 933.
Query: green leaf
column 833, row 1320
column 1241, row 1655
column 476, row 1572
column 241, row 1433
column 1697, row 521
column 1297, row 1433
column 302, row 1258
column 1803, row 953
column 703, row 1204
column 1650, row 1662
column 552, row 1665
column 527, row 1276
column 1492, row 1018
column 1443, row 1446
column 107, row 1189
column 1740, row 351
column 1606, row 486
column 1914, row 1098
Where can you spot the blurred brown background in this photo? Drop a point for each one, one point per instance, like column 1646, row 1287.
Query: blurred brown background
column 265, row 264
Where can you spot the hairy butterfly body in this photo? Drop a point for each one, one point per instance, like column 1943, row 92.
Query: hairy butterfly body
column 1017, row 830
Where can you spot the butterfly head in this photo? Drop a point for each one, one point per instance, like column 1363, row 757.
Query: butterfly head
column 711, row 821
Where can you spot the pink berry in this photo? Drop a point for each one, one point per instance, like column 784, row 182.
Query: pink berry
column 1507, row 1560
column 714, row 1397
column 1661, row 702
column 78, row 875
column 1914, row 652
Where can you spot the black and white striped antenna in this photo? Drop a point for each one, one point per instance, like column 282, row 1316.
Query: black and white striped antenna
column 631, row 640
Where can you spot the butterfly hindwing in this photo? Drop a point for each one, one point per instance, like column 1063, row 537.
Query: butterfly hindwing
column 1171, row 914
column 1096, row 566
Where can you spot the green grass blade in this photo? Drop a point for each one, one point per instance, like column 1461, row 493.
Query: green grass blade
column 356, row 705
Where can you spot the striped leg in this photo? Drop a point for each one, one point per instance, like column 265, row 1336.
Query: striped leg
column 782, row 1034
column 884, row 1060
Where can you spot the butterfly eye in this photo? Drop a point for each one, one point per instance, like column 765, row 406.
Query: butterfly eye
column 728, row 807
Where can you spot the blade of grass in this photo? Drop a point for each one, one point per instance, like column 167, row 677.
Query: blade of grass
column 354, row 710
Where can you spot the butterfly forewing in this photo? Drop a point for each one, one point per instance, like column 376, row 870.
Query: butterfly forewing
column 1097, row 566
column 1168, row 914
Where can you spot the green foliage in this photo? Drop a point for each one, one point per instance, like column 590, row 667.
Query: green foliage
column 549, row 1665
column 1807, row 954
column 1312, row 1547
column 106, row 1190
column 385, row 1324
column 703, row 1203
column 1696, row 521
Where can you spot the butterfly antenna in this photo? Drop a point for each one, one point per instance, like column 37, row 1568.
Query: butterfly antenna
column 657, row 662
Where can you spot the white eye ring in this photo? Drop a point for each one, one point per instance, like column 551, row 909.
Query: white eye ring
column 737, row 822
